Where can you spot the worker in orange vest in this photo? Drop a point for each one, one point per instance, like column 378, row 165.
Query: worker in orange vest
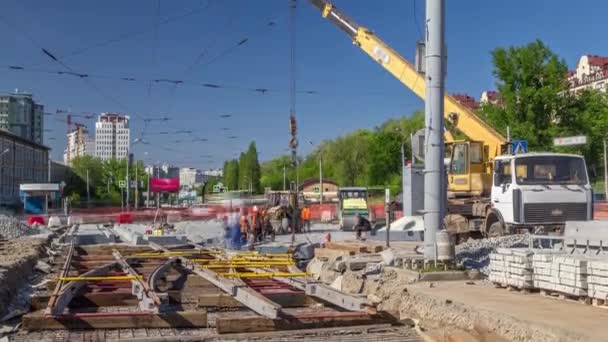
column 305, row 216
column 244, row 224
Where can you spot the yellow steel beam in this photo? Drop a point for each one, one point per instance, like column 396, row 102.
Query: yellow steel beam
column 100, row 278
column 173, row 253
column 262, row 275
column 219, row 266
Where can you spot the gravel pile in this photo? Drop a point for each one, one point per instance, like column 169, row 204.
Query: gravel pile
column 475, row 254
column 12, row 228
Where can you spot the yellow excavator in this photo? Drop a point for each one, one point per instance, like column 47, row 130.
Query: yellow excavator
column 490, row 191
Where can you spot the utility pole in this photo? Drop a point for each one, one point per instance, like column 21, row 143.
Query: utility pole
column 136, row 188
column 284, row 178
column 148, row 196
column 128, row 180
column 605, row 173
column 434, row 205
column 320, row 179
column 88, row 190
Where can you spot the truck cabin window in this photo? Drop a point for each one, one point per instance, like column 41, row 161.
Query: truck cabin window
column 546, row 170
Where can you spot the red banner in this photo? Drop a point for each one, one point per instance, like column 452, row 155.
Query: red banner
column 164, row 184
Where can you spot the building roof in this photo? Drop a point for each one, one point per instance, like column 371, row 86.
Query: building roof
column 7, row 134
column 466, row 100
column 597, row 60
column 311, row 181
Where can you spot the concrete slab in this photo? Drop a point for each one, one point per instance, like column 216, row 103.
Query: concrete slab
column 571, row 321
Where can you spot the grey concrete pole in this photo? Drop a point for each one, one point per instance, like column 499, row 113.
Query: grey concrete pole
column 320, row 179
column 434, row 206
column 128, row 182
column 88, row 190
column 136, row 187
column 605, row 173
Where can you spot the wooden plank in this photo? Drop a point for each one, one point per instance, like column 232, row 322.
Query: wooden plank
column 121, row 297
column 249, row 324
column 218, row 300
column 346, row 247
column 247, row 296
column 330, row 254
column 187, row 319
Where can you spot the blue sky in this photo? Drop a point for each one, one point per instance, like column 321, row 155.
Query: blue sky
column 150, row 42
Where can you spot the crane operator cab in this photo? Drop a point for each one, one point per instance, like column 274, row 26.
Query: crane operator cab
column 468, row 174
column 538, row 192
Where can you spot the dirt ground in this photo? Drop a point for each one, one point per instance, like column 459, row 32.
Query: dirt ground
column 513, row 315
column 474, row 310
column 17, row 260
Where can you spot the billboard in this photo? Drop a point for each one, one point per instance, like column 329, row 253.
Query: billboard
column 164, row 184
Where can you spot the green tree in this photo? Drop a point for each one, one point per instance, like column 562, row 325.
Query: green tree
column 244, row 171
column 254, row 165
column 80, row 166
column 249, row 170
column 231, row 174
column 532, row 82
column 384, row 157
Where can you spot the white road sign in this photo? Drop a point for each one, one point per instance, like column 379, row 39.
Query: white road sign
column 568, row 141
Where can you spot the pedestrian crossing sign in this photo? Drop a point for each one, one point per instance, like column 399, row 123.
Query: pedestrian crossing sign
column 520, row 146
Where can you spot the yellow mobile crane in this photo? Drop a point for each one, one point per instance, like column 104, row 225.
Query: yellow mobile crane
column 485, row 196
column 484, row 142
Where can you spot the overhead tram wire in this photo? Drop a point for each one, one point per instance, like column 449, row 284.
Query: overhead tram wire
column 125, row 36
column 259, row 90
column 69, row 71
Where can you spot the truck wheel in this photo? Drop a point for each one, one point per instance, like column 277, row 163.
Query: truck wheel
column 496, row 230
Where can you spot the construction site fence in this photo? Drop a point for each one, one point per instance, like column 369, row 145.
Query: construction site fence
column 326, row 212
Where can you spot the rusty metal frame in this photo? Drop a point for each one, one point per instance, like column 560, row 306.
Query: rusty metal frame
column 64, row 273
column 66, row 293
column 148, row 300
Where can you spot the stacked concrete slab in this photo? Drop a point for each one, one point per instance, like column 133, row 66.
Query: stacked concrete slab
column 597, row 279
column 512, row 267
column 566, row 274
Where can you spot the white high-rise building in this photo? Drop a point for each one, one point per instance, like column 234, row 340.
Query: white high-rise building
column 189, row 177
column 112, row 136
column 79, row 144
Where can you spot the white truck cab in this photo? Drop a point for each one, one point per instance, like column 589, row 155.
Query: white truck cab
column 538, row 192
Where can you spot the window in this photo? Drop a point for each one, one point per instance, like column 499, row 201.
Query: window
column 459, row 159
column 476, row 156
column 551, row 170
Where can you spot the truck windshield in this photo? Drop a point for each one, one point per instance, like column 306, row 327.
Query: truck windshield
column 345, row 194
column 548, row 170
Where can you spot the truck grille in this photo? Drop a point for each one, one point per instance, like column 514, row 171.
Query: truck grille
column 554, row 212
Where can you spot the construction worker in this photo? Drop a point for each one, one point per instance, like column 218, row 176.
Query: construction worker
column 244, row 222
column 256, row 224
column 362, row 227
column 305, row 216
column 235, row 230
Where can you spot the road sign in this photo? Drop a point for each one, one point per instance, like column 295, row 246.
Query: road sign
column 569, row 141
column 520, row 146
column 122, row 184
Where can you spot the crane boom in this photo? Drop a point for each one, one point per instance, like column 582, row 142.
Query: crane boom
column 464, row 119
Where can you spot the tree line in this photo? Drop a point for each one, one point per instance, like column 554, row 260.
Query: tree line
column 104, row 179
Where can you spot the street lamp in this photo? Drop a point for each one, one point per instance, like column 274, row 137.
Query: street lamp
column 2, row 167
column 320, row 172
column 135, row 142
